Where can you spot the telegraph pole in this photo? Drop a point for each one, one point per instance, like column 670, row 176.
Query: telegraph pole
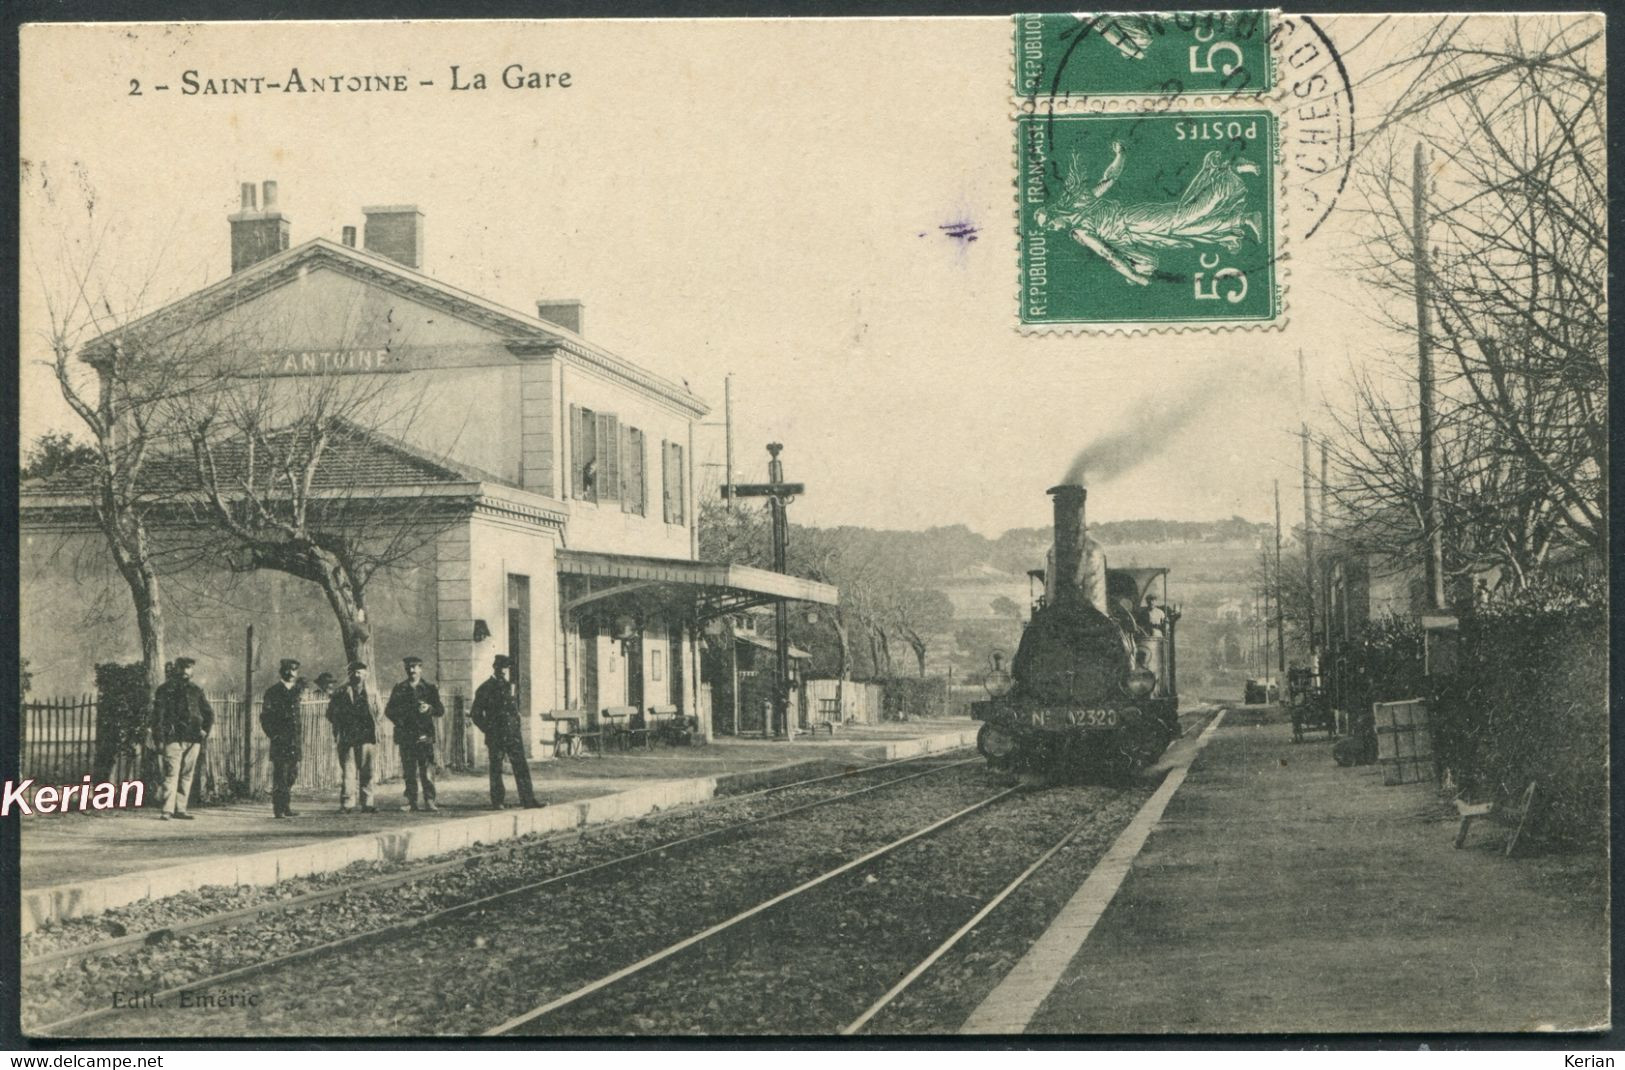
column 1327, row 600
column 1280, row 613
column 1434, row 560
column 728, row 434
column 1308, row 513
column 1438, row 626
column 779, row 494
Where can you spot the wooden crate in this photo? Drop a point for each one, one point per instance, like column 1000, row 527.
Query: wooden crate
column 1404, row 741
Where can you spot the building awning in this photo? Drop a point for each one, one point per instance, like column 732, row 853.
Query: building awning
column 762, row 641
column 712, row 589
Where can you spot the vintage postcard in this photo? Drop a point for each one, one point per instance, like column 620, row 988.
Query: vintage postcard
column 1067, row 525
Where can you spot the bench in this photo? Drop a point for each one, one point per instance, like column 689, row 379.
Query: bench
column 1519, row 817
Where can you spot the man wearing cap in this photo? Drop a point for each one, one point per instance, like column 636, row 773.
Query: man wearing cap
column 412, row 708
column 279, row 717
column 183, row 719
column 349, row 711
column 496, row 713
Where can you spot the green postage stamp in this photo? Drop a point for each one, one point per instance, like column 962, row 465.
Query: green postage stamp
column 1160, row 218
column 1143, row 54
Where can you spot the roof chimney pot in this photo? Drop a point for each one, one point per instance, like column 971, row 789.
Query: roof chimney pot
column 564, row 312
column 394, row 231
column 349, row 236
column 257, row 234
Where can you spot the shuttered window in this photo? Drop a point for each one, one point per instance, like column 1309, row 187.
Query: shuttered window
column 595, row 455
column 634, row 491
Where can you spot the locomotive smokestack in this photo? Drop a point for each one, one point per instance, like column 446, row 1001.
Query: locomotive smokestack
column 1069, row 498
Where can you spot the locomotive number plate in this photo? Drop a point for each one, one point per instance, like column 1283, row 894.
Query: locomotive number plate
column 1091, row 717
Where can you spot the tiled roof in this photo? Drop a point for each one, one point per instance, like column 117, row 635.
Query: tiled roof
column 352, row 457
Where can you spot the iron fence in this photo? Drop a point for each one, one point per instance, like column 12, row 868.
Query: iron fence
column 58, row 745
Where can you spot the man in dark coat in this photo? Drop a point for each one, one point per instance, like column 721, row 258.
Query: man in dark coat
column 496, row 713
column 412, row 709
column 349, row 711
column 182, row 719
column 279, row 717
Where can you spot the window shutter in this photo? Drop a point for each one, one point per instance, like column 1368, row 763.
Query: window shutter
column 632, row 491
column 665, row 481
column 643, row 474
column 625, row 447
column 609, row 456
column 576, row 460
column 678, row 483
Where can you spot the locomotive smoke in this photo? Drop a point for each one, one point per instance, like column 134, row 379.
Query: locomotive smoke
column 1150, row 431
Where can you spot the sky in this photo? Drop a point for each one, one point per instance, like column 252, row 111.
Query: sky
column 770, row 200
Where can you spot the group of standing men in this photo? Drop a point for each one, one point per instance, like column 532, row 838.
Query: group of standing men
column 413, row 707
column 183, row 720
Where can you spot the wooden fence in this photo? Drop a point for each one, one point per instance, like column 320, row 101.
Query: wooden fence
column 860, row 702
column 58, row 746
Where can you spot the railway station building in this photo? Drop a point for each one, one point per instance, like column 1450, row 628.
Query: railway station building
column 551, row 481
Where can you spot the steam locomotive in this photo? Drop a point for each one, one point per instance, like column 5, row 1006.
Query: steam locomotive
column 1092, row 689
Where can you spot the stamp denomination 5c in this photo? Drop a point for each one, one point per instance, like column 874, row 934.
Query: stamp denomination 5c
column 1155, row 219
column 1144, row 54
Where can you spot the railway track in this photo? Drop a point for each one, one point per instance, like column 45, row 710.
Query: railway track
column 381, row 934
column 37, row 964
column 519, row 1022
column 887, row 934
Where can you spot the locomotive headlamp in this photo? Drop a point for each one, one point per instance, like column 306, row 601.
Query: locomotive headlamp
column 996, row 682
column 1140, row 682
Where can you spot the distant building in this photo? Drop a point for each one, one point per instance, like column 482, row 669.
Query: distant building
column 561, row 475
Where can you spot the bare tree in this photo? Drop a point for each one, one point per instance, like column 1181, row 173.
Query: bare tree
column 118, row 370
column 1515, row 270
column 283, row 467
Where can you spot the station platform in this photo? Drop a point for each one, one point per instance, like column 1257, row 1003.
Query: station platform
column 1281, row 893
column 79, row 864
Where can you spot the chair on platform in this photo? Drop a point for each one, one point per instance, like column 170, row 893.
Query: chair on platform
column 829, row 716
column 662, row 721
column 617, row 725
column 566, row 733
column 590, row 733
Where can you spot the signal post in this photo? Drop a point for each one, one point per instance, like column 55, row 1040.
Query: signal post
column 779, row 494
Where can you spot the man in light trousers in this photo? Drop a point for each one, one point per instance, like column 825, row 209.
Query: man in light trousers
column 182, row 719
column 355, row 732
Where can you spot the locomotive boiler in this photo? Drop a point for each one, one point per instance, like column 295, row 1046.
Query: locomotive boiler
column 1092, row 688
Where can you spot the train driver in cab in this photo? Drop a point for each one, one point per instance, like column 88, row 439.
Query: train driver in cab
column 1150, row 616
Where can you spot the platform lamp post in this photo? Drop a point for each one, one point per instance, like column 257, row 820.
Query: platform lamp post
column 779, row 494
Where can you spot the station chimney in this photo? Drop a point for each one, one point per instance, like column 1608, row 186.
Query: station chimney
column 395, row 231
column 257, row 232
column 562, row 311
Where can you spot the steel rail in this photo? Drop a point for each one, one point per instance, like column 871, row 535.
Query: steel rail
column 210, row 922
column 368, row 936
column 959, row 934
column 705, row 934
